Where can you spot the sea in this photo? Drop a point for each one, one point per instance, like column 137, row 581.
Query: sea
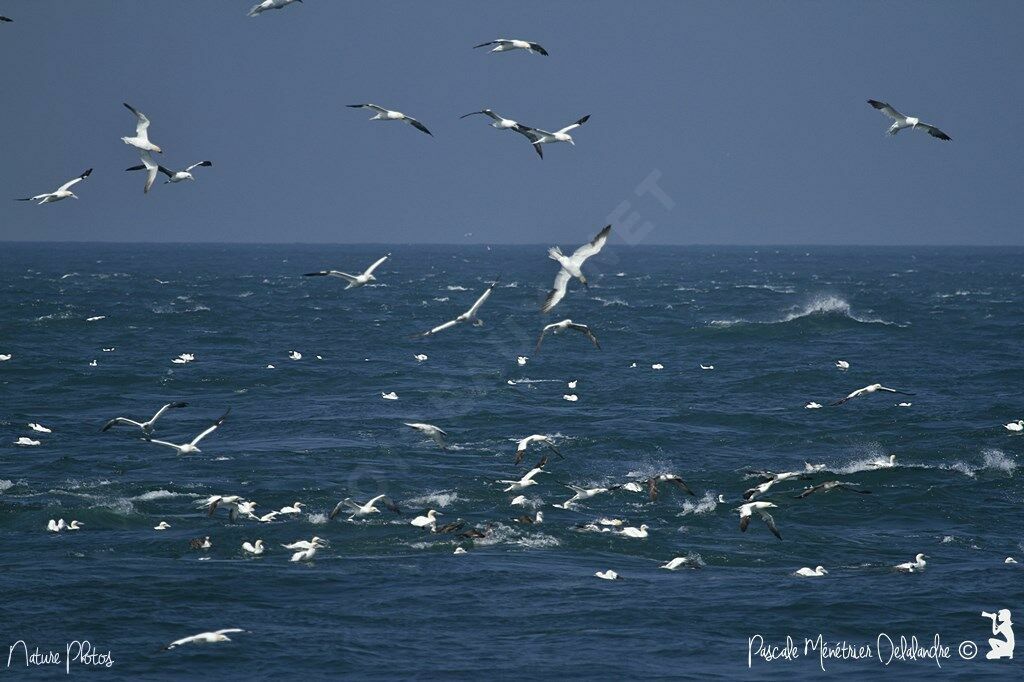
column 93, row 331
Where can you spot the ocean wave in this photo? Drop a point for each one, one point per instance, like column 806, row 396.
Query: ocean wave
column 5, row 485
column 159, row 495
column 766, row 287
column 456, row 287
column 706, row 504
column 439, row 499
column 818, row 307
column 317, row 519
column 611, row 301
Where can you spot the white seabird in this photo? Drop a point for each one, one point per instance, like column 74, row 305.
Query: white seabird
column 571, row 266
column 55, row 526
column 314, row 541
column 608, row 575
column 842, row 364
column 914, row 566
column 269, row 5
column 677, row 563
column 389, row 115
column 556, row 327
column 868, row 390
column 707, row 367
column 900, row 121
column 521, row 360
column 354, row 281
column 190, row 447
column 430, row 520
column 4, row 357
column 294, row 355
column 761, row 509
column 524, row 482
column 39, row 428
column 163, row 525
column 816, row 572
column 146, row 426
column 883, row 463
column 468, row 316
column 305, row 554
column 205, row 638
column 507, row 44
column 141, row 139
column 359, row 510
column 571, row 397
column 633, row 532
column 1016, row 426
column 420, row 357
column 585, row 493
column 153, row 168
column 62, row 192
column 812, row 406
column 524, row 443
column 502, row 123
column 255, row 549
column 294, row 508
column 538, row 136
column 389, row 396
column 430, row 431
column 828, row 486
column 26, row 442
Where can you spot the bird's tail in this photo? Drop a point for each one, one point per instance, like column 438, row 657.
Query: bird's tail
column 554, row 253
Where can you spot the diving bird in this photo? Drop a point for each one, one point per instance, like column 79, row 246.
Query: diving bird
column 585, row 493
column 430, row 431
column 141, row 139
column 815, row 572
column 62, row 192
column 205, row 638
column 883, row 463
column 679, row 562
column 868, row 390
column 190, row 447
column 914, row 566
column 468, row 316
column 677, row 481
column 761, row 509
column 556, row 327
column 571, row 266
column 524, row 482
column 172, row 175
column 524, row 443
column 354, row 281
column 269, row 5
column 538, row 137
column 508, row 44
column 229, row 502
column 359, row 510
column 389, row 115
column 900, row 121
column 146, row 426
column 828, row 486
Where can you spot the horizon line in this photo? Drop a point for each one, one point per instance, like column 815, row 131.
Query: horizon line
column 537, row 244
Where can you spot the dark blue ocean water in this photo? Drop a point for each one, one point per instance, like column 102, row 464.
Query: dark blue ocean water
column 389, row 600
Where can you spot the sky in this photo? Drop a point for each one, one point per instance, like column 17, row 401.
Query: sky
column 711, row 122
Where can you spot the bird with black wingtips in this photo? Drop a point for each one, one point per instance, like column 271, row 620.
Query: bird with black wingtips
column 468, row 316
column 761, row 509
column 524, row 443
column 556, row 327
column 509, row 44
column 383, row 114
column 191, row 447
column 828, row 486
column 901, row 121
column 141, row 139
column 354, row 281
column 537, row 136
column 172, row 175
column 146, row 426
column 674, row 479
column 572, row 266
column 61, row 193
column 868, row 390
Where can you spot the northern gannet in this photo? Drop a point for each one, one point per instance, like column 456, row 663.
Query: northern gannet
column 900, row 121
column 430, row 520
column 507, row 44
column 359, row 510
column 829, row 486
column 468, row 316
column 383, row 114
column 571, row 266
column 190, row 447
column 269, row 5
column 633, row 532
column 868, row 390
column 255, row 549
column 1015, row 426
column 39, row 428
column 163, row 525
column 430, row 431
column 812, row 406
column 56, row 526
column 842, row 364
column 914, row 566
column 172, row 175
column 585, row 493
column 538, row 137
column 679, row 562
column 27, row 442
column 677, row 481
column 524, row 482
column 141, row 139
column 59, row 194
column 146, row 426
column 883, row 463
column 314, row 541
column 816, row 572
column 556, row 327
column 608, row 575
column 294, row 508
column 305, row 554
column 205, row 638
column 524, row 443
column 354, row 281
column 761, row 509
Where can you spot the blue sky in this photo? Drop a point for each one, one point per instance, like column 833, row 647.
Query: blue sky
column 750, row 116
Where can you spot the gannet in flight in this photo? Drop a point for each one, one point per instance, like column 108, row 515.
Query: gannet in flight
column 229, row 502
column 354, row 281
column 502, row 123
column 190, row 447
column 1015, row 426
column 900, row 121
column 524, row 482
column 205, row 637
column 430, row 520
column 828, row 486
column 761, row 509
column 507, row 44
column 653, row 481
column 172, row 176
column 359, row 510
column 571, row 266
column 269, row 5
column 867, row 390
column 141, row 139
column 146, row 426
column 585, row 493
column 524, row 443
column 816, row 572
column 538, row 137
column 556, row 327
column 431, row 431
column 62, row 192
column 914, row 566
column 769, row 480
column 468, row 316
column 389, row 115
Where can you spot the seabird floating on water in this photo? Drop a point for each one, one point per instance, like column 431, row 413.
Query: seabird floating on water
column 205, row 637
column 816, row 572
column 868, row 390
column 56, row 526
column 163, row 525
column 571, row 266
column 389, row 396
column 679, row 562
column 632, row 532
column 842, row 364
column 430, row 431
column 883, row 463
column 294, row 508
column 39, row 428
column 761, row 509
column 59, row 194
column 146, row 426
column 269, row 5
column 305, row 554
column 508, row 44
column 255, row 549
column 354, row 281
column 1015, row 426
column 812, row 406
column 468, row 316
column 900, row 121
column 428, row 521
column 914, row 566
column 190, row 447
column 141, row 139
column 420, row 357
column 608, row 575
column 26, row 442
column 389, row 115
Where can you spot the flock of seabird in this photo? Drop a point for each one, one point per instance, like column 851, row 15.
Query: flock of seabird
column 569, row 268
